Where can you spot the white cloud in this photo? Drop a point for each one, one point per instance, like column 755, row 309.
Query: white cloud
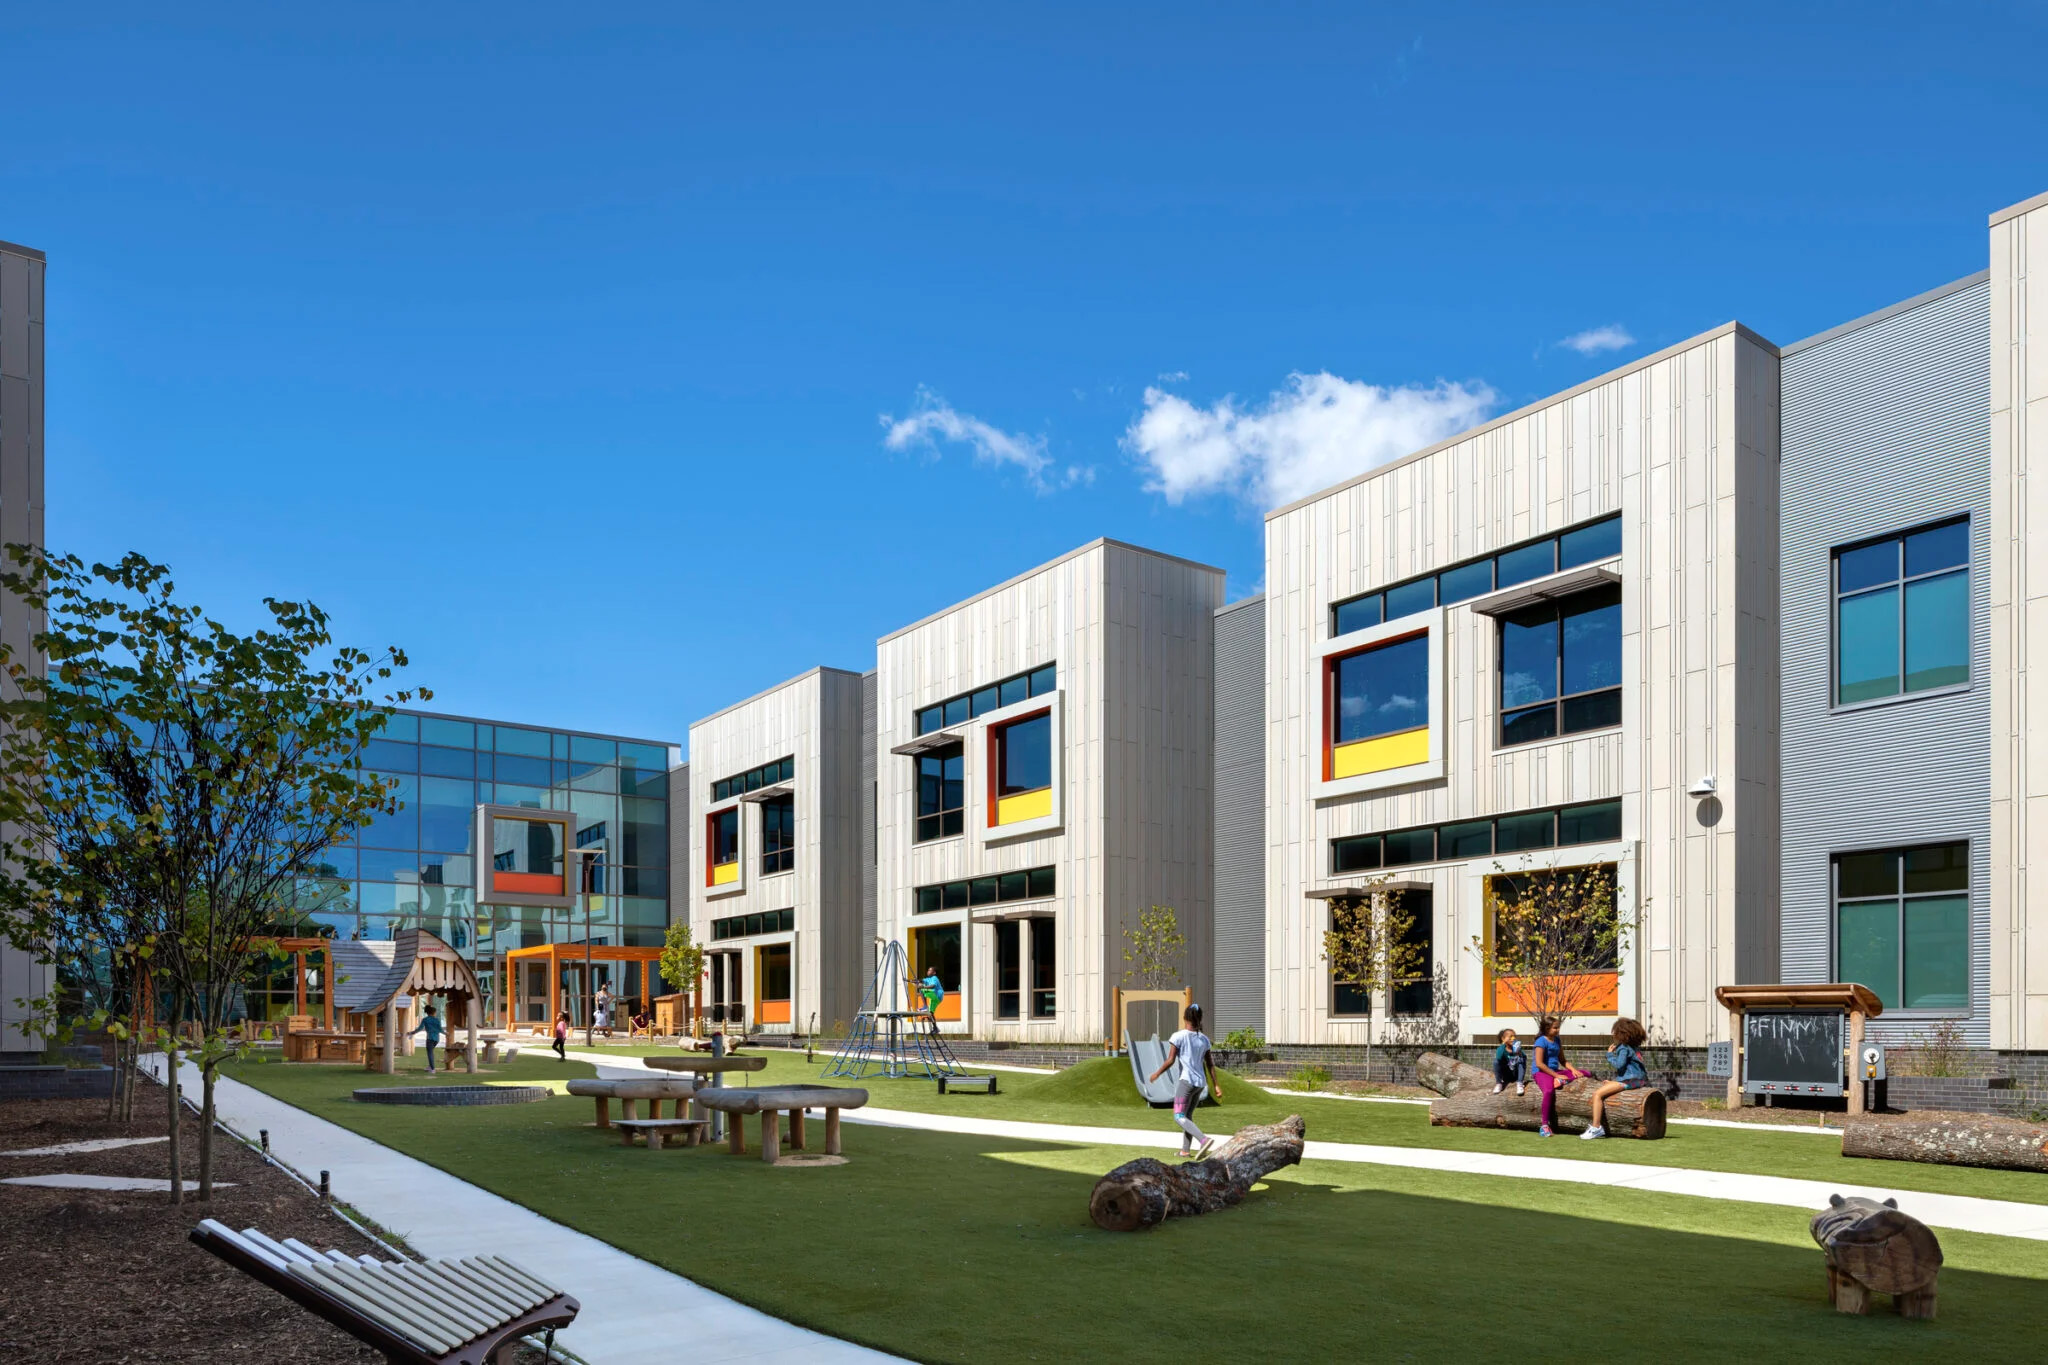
column 1174, row 377
column 1594, row 340
column 1317, row 431
column 933, row 420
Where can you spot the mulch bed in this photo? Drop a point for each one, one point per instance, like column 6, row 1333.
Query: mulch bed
column 95, row 1277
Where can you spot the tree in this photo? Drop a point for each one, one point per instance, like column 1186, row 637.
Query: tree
column 1155, row 950
column 1557, row 940
column 1372, row 945
column 682, row 958
column 219, row 764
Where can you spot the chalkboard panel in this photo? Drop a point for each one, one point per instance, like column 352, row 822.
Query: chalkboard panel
column 1792, row 1052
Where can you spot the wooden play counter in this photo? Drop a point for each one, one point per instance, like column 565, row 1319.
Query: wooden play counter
column 771, row 1102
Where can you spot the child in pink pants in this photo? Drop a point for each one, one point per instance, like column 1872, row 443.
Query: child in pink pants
column 1551, row 1072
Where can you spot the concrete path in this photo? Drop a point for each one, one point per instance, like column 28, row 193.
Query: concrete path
column 2005, row 1218
column 634, row 1312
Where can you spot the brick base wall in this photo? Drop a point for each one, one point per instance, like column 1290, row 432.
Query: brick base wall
column 56, row 1082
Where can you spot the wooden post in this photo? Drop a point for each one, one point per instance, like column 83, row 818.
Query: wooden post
column 796, row 1130
column 390, row 1063
column 832, row 1131
column 1855, row 1068
column 472, row 1010
column 327, row 986
column 298, row 981
column 1735, row 1071
column 771, row 1135
column 736, row 1134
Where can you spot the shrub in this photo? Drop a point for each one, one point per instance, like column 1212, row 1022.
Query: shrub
column 1244, row 1040
column 1309, row 1078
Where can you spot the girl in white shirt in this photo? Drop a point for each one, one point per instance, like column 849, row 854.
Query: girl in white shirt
column 1189, row 1058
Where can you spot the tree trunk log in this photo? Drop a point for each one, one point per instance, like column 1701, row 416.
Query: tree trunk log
column 1469, row 1102
column 1873, row 1247
column 1144, row 1193
column 2007, row 1144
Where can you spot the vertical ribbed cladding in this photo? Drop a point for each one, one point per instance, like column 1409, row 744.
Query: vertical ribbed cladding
column 870, row 853
column 678, row 844
column 1240, row 817
column 1886, row 425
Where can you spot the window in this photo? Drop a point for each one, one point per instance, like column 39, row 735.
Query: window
column 1009, row 969
column 1347, row 1000
column 1034, row 885
column 937, row 948
column 965, row 707
column 1044, row 991
column 745, row 926
column 778, row 834
column 941, row 793
column 1560, row 667
column 1595, row 822
column 1019, row 980
column 1902, row 925
column 1902, row 614
column 753, row 779
column 1588, row 544
column 1378, row 708
column 1022, row 770
column 722, row 830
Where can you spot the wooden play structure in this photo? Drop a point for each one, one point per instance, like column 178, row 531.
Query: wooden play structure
column 771, row 1103
column 1469, row 1102
column 1873, row 1248
column 381, row 989
column 1799, row 1016
column 1124, row 1024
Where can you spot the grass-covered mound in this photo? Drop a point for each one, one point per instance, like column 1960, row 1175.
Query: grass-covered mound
column 1106, row 1081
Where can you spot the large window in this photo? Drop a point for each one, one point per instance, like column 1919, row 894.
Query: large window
column 746, row 926
column 1379, row 708
column 1023, row 769
column 1902, row 614
column 1588, row 544
column 1902, row 925
column 1038, row 883
column 1560, row 667
column 1596, row 822
column 941, row 793
column 778, row 834
column 722, row 829
column 1410, row 997
column 1024, row 969
column 965, row 707
column 753, row 779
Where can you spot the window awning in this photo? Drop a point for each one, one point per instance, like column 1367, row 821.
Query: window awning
column 1548, row 588
column 924, row 744
column 770, row 792
column 1359, row 893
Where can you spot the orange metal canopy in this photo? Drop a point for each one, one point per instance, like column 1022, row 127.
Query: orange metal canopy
column 1841, row 995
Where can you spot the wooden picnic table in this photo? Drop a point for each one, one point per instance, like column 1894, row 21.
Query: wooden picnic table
column 703, row 1063
column 771, row 1102
column 323, row 1045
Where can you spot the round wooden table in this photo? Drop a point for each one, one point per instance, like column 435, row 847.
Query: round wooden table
column 771, row 1102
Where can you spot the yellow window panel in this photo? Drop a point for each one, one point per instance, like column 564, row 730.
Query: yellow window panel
column 1379, row 754
column 725, row 873
column 1024, row 806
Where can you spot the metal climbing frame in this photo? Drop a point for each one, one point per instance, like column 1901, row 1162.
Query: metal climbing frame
column 894, row 1034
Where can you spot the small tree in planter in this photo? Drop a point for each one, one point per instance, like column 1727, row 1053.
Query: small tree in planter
column 682, row 958
column 1155, row 950
column 1557, row 942
column 1371, row 945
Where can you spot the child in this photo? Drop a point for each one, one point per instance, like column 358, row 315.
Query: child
column 1510, row 1063
column 1551, row 1072
column 1629, row 1071
column 430, row 1024
column 934, row 992
column 603, row 1020
column 562, row 1035
column 1188, row 1055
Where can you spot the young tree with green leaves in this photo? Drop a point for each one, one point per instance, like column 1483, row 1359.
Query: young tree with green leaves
column 1372, row 945
column 215, row 765
column 1557, row 940
column 1155, row 950
column 682, row 958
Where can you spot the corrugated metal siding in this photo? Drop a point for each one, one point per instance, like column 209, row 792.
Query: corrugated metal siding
column 1240, row 818
column 867, row 827
column 1884, row 426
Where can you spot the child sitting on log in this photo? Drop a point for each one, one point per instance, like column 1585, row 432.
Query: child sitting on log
column 1510, row 1063
column 1629, row 1071
column 1189, row 1058
column 1551, row 1072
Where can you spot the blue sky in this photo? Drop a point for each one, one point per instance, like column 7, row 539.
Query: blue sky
column 713, row 343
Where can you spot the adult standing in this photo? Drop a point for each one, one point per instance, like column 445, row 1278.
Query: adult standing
column 604, row 1010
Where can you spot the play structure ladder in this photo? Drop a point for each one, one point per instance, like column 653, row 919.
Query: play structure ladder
column 893, row 1035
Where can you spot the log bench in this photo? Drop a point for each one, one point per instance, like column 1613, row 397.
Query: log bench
column 629, row 1093
column 1469, row 1102
column 972, row 1085
column 771, row 1102
column 692, row 1130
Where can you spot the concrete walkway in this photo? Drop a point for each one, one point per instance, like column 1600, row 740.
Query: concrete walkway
column 2004, row 1218
column 634, row 1312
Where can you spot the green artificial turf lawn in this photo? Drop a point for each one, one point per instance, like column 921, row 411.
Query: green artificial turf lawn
column 957, row 1247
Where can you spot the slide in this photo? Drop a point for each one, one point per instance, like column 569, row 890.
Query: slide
column 1146, row 1058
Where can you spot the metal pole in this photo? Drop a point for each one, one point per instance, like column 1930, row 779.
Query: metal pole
column 589, row 993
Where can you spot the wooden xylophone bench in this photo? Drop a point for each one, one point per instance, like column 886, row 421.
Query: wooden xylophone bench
column 981, row 1085
column 461, row 1312
column 691, row 1130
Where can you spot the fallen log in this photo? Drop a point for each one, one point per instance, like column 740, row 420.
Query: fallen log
column 1469, row 1102
column 1873, row 1247
column 1144, row 1193
column 2006, row 1144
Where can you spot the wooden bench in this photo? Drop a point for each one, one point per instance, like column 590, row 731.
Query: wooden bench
column 630, row 1092
column 462, row 1312
column 981, row 1085
column 771, row 1102
column 691, row 1129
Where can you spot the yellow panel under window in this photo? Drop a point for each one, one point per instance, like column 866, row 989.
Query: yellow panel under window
column 1024, row 806
column 1378, row 755
column 724, row 873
